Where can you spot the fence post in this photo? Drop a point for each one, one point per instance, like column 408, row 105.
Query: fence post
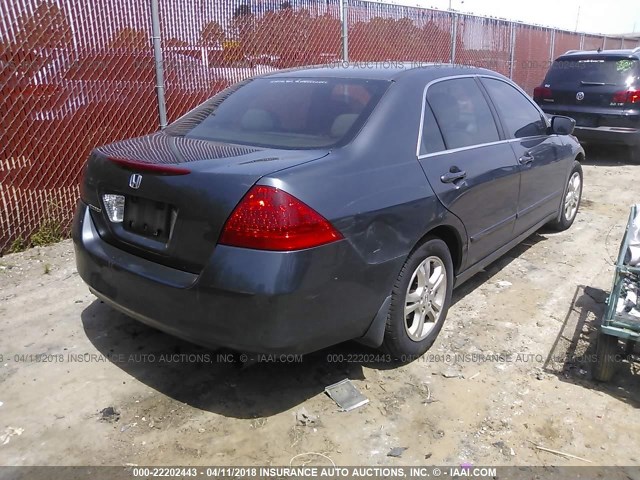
column 159, row 64
column 345, row 30
column 552, row 47
column 604, row 42
column 582, row 41
column 454, row 36
column 512, row 49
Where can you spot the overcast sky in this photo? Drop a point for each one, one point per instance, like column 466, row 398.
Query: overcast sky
column 604, row 16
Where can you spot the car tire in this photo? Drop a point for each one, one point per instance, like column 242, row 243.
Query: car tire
column 420, row 299
column 605, row 366
column 570, row 200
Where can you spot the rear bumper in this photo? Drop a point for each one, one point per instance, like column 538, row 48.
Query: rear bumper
column 615, row 128
column 247, row 300
column 608, row 135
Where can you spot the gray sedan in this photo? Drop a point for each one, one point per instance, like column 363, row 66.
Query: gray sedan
column 308, row 207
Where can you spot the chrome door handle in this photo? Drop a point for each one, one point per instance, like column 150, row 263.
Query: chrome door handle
column 526, row 159
column 451, row 177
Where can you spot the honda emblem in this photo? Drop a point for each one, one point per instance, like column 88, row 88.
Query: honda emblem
column 135, row 180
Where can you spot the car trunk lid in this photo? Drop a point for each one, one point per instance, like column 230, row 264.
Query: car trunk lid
column 177, row 192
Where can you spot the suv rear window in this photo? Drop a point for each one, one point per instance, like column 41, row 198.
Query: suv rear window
column 617, row 71
column 295, row 113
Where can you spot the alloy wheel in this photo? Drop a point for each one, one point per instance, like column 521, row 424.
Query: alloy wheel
column 572, row 198
column 425, row 298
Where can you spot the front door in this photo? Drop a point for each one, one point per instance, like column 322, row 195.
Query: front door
column 539, row 154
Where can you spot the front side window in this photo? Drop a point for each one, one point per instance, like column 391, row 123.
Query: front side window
column 290, row 113
column 519, row 117
column 462, row 113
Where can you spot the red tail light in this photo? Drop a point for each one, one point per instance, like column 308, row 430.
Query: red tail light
column 626, row 96
column 271, row 219
column 541, row 93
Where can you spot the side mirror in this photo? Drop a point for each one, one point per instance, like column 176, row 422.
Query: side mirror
column 561, row 125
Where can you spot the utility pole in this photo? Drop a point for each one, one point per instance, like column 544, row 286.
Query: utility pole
column 159, row 64
column 577, row 19
column 344, row 5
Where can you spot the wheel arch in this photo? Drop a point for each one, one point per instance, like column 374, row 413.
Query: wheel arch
column 453, row 238
column 449, row 235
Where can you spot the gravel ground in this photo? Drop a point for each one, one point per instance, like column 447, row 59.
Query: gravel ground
column 81, row 384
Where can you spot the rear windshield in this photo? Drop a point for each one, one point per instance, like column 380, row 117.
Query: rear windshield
column 608, row 70
column 290, row 113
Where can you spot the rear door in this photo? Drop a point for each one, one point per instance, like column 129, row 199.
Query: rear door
column 470, row 168
column 543, row 171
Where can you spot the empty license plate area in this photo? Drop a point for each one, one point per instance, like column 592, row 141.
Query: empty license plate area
column 149, row 218
column 586, row 120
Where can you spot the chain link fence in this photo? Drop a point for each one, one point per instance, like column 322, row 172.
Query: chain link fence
column 75, row 75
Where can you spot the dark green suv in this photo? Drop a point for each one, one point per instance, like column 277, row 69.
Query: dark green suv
column 601, row 91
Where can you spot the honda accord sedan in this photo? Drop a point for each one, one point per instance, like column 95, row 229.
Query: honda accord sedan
column 304, row 208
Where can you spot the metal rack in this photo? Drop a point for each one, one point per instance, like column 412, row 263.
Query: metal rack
column 617, row 325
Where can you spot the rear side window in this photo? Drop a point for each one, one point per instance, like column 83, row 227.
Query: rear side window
column 616, row 71
column 295, row 113
column 462, row 113
column 431, row 139
column 519, row 117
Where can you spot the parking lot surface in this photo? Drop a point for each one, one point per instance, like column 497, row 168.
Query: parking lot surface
column 82, row 384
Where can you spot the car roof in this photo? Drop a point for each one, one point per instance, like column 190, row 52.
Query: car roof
column 635, row 52
column 390, row 70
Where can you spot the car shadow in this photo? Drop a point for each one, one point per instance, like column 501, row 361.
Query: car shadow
column 219, row 381
column 215, row 381
column 572, row 357
column 608, row 155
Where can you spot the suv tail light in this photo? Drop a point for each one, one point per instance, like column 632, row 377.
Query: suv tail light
column 542, row 93
column 271, row 219
column 626, row 96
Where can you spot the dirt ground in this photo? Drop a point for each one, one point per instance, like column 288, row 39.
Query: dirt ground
column 67, row 358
